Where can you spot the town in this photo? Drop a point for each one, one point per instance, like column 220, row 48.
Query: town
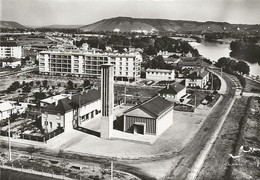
column 143, row 104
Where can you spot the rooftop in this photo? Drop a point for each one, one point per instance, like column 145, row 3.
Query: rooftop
column 65, row 104
column 172, row 88
column 158, row 70
column 8, row 43
column 154, row 106
column 4, row 106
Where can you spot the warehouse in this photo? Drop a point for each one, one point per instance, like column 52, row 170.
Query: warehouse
column 153, row 116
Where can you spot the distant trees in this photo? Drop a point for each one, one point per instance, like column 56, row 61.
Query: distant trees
column 157, row 62
column 230, row 65
column 247, row 51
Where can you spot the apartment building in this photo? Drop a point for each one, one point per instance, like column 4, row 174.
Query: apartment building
column 10, row 49
column 127, row 66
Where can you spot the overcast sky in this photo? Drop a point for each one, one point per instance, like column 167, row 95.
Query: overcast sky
column 82, row 12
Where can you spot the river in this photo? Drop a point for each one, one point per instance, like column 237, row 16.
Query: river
column 216, row 50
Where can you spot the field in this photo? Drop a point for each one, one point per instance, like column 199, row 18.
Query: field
column 250, row 162
column 16, row 175
column 216, row 164
column 251, row 86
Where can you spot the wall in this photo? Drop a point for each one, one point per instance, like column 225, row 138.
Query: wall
column 130, row 120
column 164, row 121
column 166, row 76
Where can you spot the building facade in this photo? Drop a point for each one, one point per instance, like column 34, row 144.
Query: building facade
column 69, row 112
column 10, row 49
column 11, row 62
column 88, row 63
column 173, row 92
column 152, row 117
column 160, row 74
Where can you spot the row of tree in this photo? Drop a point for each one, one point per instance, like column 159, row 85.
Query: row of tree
column 246, row 50
column 151, row 45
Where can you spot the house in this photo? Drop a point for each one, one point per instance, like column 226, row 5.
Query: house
column 71, row 111
column 11, row 62
column 6, row 109
column 173, row 92
column 194, row 77
column 198, row 78
column 160, row 74
column 153, row 117
column 52, row 99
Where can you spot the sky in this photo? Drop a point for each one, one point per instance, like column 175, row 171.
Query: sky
column 83, row 12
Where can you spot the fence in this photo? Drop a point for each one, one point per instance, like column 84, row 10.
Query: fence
column 41, row 138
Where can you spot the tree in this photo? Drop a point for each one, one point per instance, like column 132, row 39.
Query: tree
column 86, row 83
column 70, row 84
column 38, row 83
column 13, row 117
column 39, row 95
column 26, row 89
column 242, row 67
column 45, row 83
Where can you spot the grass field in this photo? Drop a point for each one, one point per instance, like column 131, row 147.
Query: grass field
column 6, row 174
column 251, row 86
column 216, row 164
column 250, row 162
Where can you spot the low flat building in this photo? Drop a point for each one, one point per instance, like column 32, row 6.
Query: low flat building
column 153, row 117
column 10, row 62
column 6, row 109
column 160, row 74
column 71, row 111
column 173, row 92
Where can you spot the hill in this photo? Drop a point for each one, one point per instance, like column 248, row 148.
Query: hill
column 11, row 25
column 56, row 26
column 127, row 24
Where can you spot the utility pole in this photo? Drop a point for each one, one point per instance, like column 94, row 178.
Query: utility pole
column 211, row 81
column 9, row 139
column 111, row 170
column 125, row 93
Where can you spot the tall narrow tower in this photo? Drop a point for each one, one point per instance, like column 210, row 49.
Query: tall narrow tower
column 107, row 100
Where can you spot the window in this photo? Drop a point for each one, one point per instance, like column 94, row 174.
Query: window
column 51, row 125
column 92, row 114
column 58, row 124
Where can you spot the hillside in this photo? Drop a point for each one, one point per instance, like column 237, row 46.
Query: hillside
column 55, row 26
column 11, row 25
column 127, row 24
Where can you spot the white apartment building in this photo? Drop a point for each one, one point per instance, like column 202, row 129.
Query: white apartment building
column 127, row 66
column 10, row 49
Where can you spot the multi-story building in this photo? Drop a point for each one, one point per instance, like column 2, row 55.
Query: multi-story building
column 127, row 66
column 10, row 49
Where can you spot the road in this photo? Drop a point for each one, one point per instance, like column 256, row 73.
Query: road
column 6, row 74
